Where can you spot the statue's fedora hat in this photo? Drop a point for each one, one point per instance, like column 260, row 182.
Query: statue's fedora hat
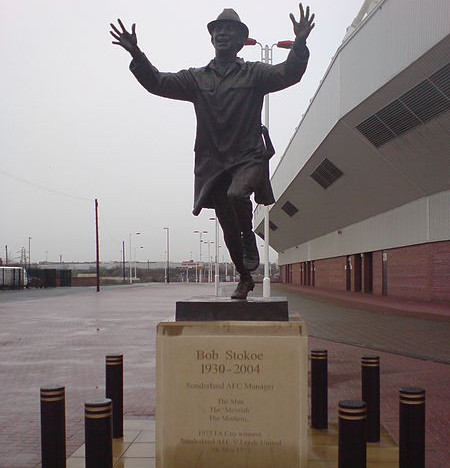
column 228, row 14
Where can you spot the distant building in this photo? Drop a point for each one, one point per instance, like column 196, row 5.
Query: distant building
column 363, row 189
column 91, row 266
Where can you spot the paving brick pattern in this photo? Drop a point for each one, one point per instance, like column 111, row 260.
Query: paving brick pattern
column 62, row 336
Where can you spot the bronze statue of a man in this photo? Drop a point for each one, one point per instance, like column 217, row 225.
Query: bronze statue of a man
column 231, row 154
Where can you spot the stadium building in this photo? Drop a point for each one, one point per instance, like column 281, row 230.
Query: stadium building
column 363, row 188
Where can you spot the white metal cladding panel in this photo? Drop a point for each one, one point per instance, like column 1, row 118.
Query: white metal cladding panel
column 318, row 122
column 440, row 216
column 396, row 35
column 424, row 220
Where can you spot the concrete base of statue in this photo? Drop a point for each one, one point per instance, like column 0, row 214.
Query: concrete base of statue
column 232, row 393
column 224, row 308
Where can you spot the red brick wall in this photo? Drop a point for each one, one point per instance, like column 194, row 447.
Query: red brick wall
column 330, row 273
column 440, row 271
column 409, row 272
column 296, row 274
column 377, row 273
column 420, row 272
column 417, row 272
column 357, row 277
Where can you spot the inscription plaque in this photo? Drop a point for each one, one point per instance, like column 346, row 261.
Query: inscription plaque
column 231, row 394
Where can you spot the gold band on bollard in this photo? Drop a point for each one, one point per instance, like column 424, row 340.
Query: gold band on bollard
column 114, row 360
column 52, row 394
column 412, row 398
column 51, row 400
column 412, row 395
column 98, row 410
column 370, row 361
column 352, row 412
column 98, row 416
column 319, row 354
column 353, row 418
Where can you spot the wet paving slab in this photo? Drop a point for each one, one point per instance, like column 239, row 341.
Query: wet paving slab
column 62, row 336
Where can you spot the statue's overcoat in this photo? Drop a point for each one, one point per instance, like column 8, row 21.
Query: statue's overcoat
column 228, row 109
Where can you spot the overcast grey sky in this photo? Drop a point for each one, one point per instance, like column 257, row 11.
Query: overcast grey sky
column 76, row 125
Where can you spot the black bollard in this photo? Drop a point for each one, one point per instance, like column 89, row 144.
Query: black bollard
column 352, row 434
column 53, row 427
column 370, row 380
column 98, row 433
column 319, row 389
column 114, row 390
column 412, row 427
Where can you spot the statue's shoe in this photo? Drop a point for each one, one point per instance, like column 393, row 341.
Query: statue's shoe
column 250, row 251
column 243, row 288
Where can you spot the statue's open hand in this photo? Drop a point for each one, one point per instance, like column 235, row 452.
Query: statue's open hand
column 304, row 26
column 123, row 38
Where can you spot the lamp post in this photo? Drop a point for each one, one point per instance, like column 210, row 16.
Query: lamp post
column 135, row 262
column 124, row 273
column 166, row 272
column 216, row 260
column 266, row 57
column 29, row 252
column 209, row 262
column 200, row 234
column 130, row 260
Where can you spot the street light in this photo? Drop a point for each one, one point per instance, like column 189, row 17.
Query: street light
column 166, row 272
column 266, row 57
column 29, row 252
column 130, row 260
column 216, row 266
column 200, row 234
column 209, row 262
column 135, row 262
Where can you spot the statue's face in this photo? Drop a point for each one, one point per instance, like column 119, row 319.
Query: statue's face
column 227, row 37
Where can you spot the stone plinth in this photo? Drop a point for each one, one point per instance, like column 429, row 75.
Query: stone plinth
column 224, row 308
column 231, row 395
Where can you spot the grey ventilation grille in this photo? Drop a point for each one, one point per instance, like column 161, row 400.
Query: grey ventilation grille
column 289, row 209
column 441, row 79
column 326, row 173
column 376, row 131
column 422, row 103
column 426, row 101
column 272, row 226
column 397, row 117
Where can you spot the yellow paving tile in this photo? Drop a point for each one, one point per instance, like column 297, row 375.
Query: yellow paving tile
column 79, row 453
column 146, row 436
column 323, row 438
column 141, row 450
column 135, row 463
column 140, row 424
column 75, row 463
column 382, row 464
column 382, row 455
column 119, row 448
column 137, row 448
column 323, row 452
column 321, row 464
column 130, row 435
